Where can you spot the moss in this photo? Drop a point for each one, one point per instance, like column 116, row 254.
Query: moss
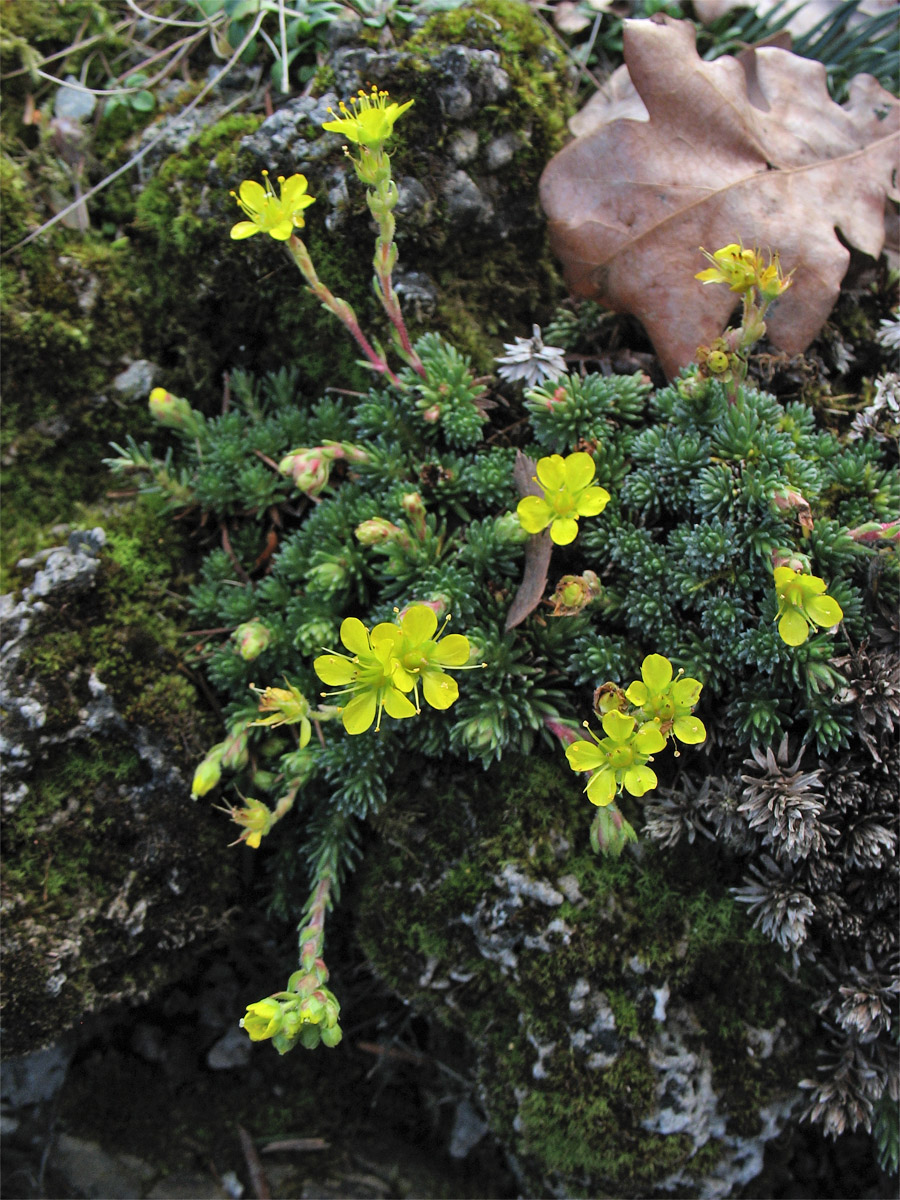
column 99, row 831
column 48, row 855
column 125, row 630
column 671, row 913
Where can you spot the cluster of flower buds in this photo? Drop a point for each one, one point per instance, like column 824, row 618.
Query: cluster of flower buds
column 310, row 469
column 305, row 1014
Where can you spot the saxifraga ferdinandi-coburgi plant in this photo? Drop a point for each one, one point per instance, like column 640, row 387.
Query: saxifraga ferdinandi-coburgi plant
column 583, row 531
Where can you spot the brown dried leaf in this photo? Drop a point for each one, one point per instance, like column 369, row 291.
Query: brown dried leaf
column 538, row 549
column 753, row 151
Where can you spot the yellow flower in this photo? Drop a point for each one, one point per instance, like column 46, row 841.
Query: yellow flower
column 285, row 706
column 278, row 216
column 568, row 495
column 744, row 269
column 769, row 280
column 368, row 676
column 371, row 120
column 802, row 603
column 732, row 265
column 256, row 819
column 262, row 1019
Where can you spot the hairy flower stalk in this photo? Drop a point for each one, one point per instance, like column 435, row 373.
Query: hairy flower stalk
column 340, row 308
column 368, row 123
column 758, row 283
column 307, row 1011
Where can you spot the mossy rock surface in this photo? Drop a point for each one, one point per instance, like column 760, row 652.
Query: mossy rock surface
column 632, row 1033
column 110, row 872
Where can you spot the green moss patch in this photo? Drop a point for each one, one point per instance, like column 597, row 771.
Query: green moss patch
column 640, row 923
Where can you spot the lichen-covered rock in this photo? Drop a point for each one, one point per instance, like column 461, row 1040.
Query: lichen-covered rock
column 633, row 1035
column 109, row 870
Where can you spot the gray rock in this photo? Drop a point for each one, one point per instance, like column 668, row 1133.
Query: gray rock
column 233, row 1049
column 138, row 380
column 468, row 1129
column 73, row 102
column 465, row 202
column 187, row 1187
column 499, row 153
column 463, row 146
column 94, row 1173
column 32, row 1078
column 418, row 294
column 68, row 569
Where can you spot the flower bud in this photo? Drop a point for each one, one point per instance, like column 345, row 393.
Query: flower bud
column 346, row 450
column 327, row 577
column 234, row 753
column 438, row 606
column 377, row 531
column 263, row 1019
column 508, row 530
column 208, row 773
column 414, row 507
column 784, row 556
column 610, row 832
column 574, row 593
column 252, row 638
column 432, row 414
column 309, row 469
column 173, row 412
column 298, row 767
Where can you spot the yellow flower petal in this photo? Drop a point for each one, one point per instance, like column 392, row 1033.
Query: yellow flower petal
column 592, row 502
column 244, row 229
column 579, row 471
column 585, row 756
column 793, row 628
column 551, row 472
column 397, row 705
column 359, row 714
column 354, row 636
column 440, row 690
column 824, row 610
column 534, row 514
column 639, row 780
column 564, row 531
column 601, row 788
column 419, row 623
column 453, row 650
column 334, row 670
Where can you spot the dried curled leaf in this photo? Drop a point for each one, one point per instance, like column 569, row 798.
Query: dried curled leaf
column 752, row 150
column 538, row 549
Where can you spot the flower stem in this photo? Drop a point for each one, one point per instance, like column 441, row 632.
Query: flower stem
column 340, row 308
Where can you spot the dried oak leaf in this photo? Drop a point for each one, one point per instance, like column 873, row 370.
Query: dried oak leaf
column 752, row 151
column 538, row 549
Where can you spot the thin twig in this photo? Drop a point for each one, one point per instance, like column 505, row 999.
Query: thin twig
column 257, row 1174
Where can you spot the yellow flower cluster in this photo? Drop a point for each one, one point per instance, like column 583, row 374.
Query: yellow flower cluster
column 744, row 270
